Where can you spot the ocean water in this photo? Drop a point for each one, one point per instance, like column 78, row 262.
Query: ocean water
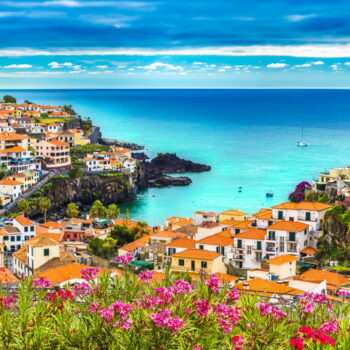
column 247, row 136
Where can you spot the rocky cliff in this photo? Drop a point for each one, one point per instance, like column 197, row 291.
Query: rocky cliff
column 334, row 244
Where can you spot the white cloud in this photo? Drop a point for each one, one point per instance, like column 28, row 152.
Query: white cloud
column 318, row 63
column 221, row 70
column 302, row 65
column 198, row 63
column 317, row 50
column 56, row 65
column 102, row 67
column 156, row 65
column 73, row 3
column 347, row 63
column 19, row 66
column 298, row 18
column 277, row 65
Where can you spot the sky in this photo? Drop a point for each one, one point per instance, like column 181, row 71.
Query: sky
column 175, row 44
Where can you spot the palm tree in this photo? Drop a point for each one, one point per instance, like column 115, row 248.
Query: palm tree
column 23, row 206
column 44, row 205
column 72, row 210
column 113, row 211
column 98, row 210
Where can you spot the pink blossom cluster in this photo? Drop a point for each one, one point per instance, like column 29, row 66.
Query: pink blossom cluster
column 117, row 312
column 233, row 295
column 181, row 287
column 343, row 293
column 42, row 283
column 329, row 327
column 213, row 283
column 146, row 275
column 310, row 300
column 124, row 259
column 82, row 289
column 89, row 273
column 317, row 336
column 227, row 316
column 8, row 302
column 163, row 319
column 202, row 306
column 269, row 309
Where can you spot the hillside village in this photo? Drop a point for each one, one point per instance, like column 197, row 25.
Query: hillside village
column 271, row 252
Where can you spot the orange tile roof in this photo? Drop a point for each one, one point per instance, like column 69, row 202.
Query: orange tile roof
column 226, row 233
column 255, row 234
column 14, row 149
column 197, row 254
column 313, row 206
column 266, row 288
column 21, row 254
column 294, row 226
column 216, row 240
column 237, row 224
column 223, row 277
column 206, row 213
column 263, row 214
column 41, row 241
column 233, row 212
column 7, row 182
column 308, row 251
column 57, row 237
column 22, row 220
column 12, row 136
column 6, row 276
column 58, row 143
column 282, row 259
column 332, row 278
column 138, row 243
column 52, row 224
column 182, row 242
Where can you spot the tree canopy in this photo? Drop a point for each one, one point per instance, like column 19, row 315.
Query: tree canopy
column 9, row 99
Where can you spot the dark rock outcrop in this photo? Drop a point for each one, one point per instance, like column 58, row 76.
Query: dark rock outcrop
column 171, row 163
column 118, row 143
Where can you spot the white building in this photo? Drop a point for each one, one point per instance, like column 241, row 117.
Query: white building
column 218, row 243
column 200, row 217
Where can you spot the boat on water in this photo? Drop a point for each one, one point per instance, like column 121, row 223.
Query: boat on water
column 269, row 194
column 302, row 143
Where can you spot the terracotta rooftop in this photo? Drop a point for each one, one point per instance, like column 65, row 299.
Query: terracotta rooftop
column 254, row 234
column 182, row 242
column 308, row 251
column 216, row 240
column 21, row 254
column 64, row 259
column 138, row 243
column 333, row 278
column 237, row 224
column 188, row 230
column 294, row 226
column 197, row 254
column 24, row 221
column 211, row 214
column 266, row 288
column 7, row 182
column 282, row 259
column 312, row 206
column 14, row 149
column 263, row 214
column 6, row 276
column 233, row 212
column 223, row 277
column 41, row 241
column 167, row 234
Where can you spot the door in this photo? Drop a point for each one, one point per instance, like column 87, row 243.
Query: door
column 193, row 265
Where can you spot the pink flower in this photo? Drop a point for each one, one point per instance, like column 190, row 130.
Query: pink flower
column 343, row 293
column 124, row 259
column 269, row 309
column 94, row 307
column 82, row 289
column 146, row 275
column 329, row 327
column 237, row 341
column 8, row 302
column 42, row 282
column 88, row 273
column 163, row 319
column 213, row 283
column 297, row 343
column 181, row 287
column 324, row 339
column 202, row 306
column 308, row 308
column 227, row 316
column 197, row 347
column 233, row 295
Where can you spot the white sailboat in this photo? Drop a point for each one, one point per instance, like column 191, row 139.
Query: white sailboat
column 302, row 143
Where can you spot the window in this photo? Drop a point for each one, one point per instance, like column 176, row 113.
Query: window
column 272, row 235
column 32, row 228
column 6, row 238
column 18, row 238
column 308, row 216
column 217, row 249
column 75, row 235
column 12, row 238
column 237, row 231
column 292, row 236
column 25, row 229
column 239, row 243
column 249, row 249
column 280, row 215
column 181, row 262
column 46, row 252
column 258, row 245
column 204, row 264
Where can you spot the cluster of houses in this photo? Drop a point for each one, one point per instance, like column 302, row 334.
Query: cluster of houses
column 30, row 149
column 259, row 254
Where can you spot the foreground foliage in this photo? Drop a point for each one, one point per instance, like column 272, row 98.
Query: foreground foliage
column 134, row 312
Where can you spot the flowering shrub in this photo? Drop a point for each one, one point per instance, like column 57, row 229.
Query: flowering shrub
column 134, row 312
column 298, row 195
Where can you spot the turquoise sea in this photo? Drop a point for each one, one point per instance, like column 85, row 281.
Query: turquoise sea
column 247, row 136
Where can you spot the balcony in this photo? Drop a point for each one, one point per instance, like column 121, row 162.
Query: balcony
column 271, row 249
column 238, row 258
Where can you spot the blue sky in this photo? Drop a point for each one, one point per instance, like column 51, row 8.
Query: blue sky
column 174, row 43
